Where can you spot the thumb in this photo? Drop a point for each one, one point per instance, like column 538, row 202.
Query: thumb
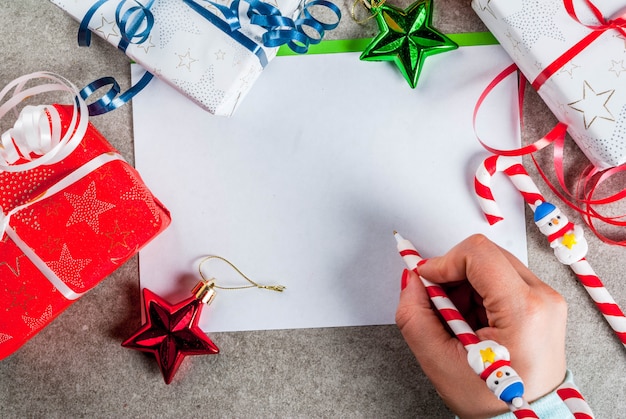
column 419, row 324
column 442, row 357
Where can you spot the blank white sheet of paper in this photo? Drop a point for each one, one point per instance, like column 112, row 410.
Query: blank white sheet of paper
column 305, row 184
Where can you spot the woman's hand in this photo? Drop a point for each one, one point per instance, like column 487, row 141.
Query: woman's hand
column 522, row 312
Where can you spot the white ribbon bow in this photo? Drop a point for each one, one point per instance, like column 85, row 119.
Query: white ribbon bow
column 36, row 138
column 36, row 134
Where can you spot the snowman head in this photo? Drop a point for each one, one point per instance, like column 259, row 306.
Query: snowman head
column 504, row 382
column 549, row 218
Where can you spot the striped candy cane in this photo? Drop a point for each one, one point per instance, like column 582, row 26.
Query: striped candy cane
column 572, row 253
column 601, row 297
column 518, row 175
column 574, row 401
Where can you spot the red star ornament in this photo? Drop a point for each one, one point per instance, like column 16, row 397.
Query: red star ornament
column 171, row 332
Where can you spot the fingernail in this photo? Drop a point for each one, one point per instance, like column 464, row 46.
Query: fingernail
column 405, row 279
column 420, row 263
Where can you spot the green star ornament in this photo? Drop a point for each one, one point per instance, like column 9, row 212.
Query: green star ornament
column 407, row 38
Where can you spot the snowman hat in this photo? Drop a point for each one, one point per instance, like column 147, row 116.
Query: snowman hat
column 544, row 212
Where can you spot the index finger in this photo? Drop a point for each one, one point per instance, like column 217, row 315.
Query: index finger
column 488, row 268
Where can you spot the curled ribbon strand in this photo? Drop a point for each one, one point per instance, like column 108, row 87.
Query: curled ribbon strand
column 290, row 32
column 112, row 99
column 129, row 20
column 135, row 24
column 582, row 199
column 132, row 21
column 35, row 138
column 280, row 29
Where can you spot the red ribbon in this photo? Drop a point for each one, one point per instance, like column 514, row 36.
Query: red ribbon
column 618, row 24
column 582, row 199
column 590, row 179
column 557, row 132
column 553, row 136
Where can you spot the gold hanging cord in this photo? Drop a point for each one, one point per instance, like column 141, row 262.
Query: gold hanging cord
column 278, row 288
column 369, row 5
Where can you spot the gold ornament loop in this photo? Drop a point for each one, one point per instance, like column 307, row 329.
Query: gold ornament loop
column 369, row 5
column 211, row 281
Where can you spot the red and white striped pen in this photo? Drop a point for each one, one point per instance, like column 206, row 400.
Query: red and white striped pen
column 444, row 305
column 489, row 359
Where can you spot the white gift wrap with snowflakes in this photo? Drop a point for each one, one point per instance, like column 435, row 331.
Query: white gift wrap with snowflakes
column 187, row 51
column 588, row 93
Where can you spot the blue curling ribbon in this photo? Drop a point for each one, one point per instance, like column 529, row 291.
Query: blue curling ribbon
column 129, row 23
column 280, row 29
column 230, row 26
column 111, row 101
column 231, row 14
column 286, row 31
column 129, row 29
column 84, row 34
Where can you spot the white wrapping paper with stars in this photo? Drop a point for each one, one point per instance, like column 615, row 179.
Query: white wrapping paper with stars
column 574, row 54
column 185, row 49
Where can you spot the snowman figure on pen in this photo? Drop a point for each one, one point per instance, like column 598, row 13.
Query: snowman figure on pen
column 492, row 362
column 566, row 238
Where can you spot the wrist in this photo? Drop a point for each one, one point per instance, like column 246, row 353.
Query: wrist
column 549, row 406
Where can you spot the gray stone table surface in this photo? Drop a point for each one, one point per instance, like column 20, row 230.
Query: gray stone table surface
column 76, row 367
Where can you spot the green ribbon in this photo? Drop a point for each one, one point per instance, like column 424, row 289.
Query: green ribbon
column 468, row 39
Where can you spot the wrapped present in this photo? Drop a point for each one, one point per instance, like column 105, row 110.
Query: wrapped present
column 65, row 223
column 211, row 52
column 572, row 52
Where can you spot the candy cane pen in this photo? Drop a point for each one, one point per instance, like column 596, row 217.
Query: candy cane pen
column 565, row 238
column 490, row 360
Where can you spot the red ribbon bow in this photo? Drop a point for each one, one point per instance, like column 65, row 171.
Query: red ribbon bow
column 618, row 24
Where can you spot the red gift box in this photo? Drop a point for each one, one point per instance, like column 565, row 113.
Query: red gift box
column 65, row 227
